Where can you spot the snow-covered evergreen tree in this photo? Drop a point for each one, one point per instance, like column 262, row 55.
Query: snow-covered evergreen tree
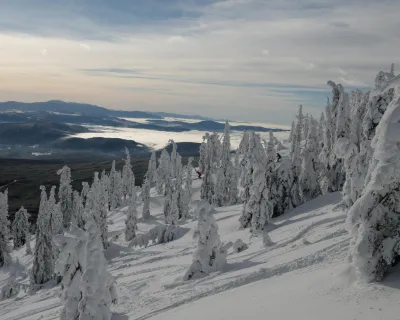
column 78, row 218
column 131, row 218
column 114, row 188
column 84, row 192
column 152, row 169
column 255, row 165
column 174, row 215
column 146, row 199
column 128, row 178
column 174, row 155
column 226, row 174
column 43, row 260
column 203, row 155
column 374, row 219
column 306, row 126
column 296, row 159
column 5, row 249
column 209, row 256
column 102, row 222
column 20, row 227
column 97, row 284
column 65, row 195
column 163, row 171
column 187, row 188
column 308, row 180
column 70, row 266
column 169, row 216
column 28, row 248
column 55, row 214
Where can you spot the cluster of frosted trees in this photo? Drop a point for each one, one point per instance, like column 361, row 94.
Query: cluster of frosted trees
column 353, row 148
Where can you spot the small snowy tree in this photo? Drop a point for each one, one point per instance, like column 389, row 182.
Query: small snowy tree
column 146, row 199
column 128, row 178
column 374, row 219
column 131, row 218
column 97, row 284
column 65, row 195
column 5, row 249
column 43, row 260
column 20, row 227
column 78, row 218
column 296, row 159
column 11, row 288
column 308, row 180
column 209, row 256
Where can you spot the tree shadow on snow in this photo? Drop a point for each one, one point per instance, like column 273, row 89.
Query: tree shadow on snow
column 392, row 279
column 114, row 251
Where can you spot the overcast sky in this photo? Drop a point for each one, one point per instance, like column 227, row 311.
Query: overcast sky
column 249, row 60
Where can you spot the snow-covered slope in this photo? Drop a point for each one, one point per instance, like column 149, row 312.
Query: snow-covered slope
column 304, row 275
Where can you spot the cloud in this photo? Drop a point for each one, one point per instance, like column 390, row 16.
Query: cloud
column 247, row 58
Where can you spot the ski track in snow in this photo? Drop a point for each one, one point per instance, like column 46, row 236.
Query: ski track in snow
column 310, row 237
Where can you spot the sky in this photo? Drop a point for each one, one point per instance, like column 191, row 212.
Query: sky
column 246, row 60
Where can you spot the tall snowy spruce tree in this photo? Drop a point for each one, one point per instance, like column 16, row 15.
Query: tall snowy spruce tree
column 78, row 217
column 308, row 180
column 70, row 266
column 374, row 219
column 296, row 159
column 65, row 195
column 163, row 172
column 131, row 218
column 146, row 199
column 174, row 155
column 54, row 211
column 187, row 188
column 255, row 181
column 152, row 169
column 128, row 178
column 115, row 188
column 20, row 228
column 207, row 187
column 209, row 256
column 97, row 284
column 5, row 249
column 43, row 260
column 225, row 174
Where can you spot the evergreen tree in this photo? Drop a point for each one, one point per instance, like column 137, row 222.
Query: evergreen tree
column 374, row 219
column 210, row 256
column 174, row 155
column 5, row 249
column 152, row 169
column 306, row 126
column 65, row 195
column 296, row 160
column 169, row 215
column 255, row 180
column 97, row 285
column 78, row 218
column 70, row 266
column 114, row 191
column 146, row 199
column 309, row 186
column 20, row 227
column 43, row 260
column 84, row 192
column 128, row 178
column 54, row 211
column 187, row 191
column 163, row 171
column 225, row 174
column 103, row 204
column 131, row 218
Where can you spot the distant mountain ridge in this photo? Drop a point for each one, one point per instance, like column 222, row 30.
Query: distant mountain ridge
column 88, row 110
